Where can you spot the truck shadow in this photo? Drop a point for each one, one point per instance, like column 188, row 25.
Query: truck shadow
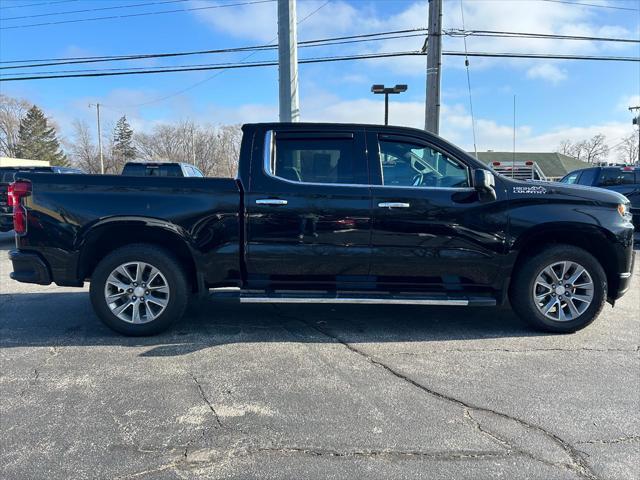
column 66, row 319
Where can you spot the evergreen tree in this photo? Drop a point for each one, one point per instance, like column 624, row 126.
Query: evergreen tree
column 123, row 148
column 37, row 140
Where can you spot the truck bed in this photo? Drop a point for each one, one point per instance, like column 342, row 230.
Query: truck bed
column 69, row 212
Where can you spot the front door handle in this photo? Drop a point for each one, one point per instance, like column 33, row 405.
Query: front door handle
column 271, row 201
column 394, row 205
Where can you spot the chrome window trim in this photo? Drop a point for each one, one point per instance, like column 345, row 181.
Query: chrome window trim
column 267, row 166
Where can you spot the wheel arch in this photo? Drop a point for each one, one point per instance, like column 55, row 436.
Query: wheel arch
column 109, row 235
column 593, row 239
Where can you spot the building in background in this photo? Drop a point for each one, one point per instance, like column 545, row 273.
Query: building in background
column 22, row 162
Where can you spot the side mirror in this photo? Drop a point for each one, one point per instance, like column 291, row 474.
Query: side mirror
column 484, row 183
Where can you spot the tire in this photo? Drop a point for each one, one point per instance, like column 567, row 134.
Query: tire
column 535, row 288
column 158, row 304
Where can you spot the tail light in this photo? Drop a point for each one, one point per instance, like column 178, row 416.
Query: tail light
column 528, row 164
column 16, row 192
column 496, row 164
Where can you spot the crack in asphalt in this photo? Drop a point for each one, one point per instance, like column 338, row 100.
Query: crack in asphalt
column 577, row 465
column 511, row 350
column 184, row 462
column 206, row 400
column 446, row 455
column 629, row 439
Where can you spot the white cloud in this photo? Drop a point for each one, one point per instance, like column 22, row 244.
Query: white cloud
column 547, row 71
column 629, row 101
column 259, row 22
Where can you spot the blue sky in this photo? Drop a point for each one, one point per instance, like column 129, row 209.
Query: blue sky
column 555, row 99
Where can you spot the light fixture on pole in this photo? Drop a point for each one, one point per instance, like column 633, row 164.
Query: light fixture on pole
column 381, row 89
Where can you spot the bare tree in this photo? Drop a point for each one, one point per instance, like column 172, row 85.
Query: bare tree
column 214, row 150
column 567, row 147
column 593, row 150
column 628, row 149
column 12, row 111
column 82, row 149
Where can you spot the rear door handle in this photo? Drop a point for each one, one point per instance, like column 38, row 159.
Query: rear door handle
column 271, row 201
column 394, row 205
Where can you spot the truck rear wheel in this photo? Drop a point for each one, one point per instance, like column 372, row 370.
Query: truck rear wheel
column 139, row 290
column 561, row 289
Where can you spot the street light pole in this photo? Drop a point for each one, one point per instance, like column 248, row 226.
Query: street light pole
column 378, row 89
column 386, row 109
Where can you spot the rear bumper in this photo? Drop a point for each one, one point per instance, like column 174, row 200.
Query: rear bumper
column 29, row 267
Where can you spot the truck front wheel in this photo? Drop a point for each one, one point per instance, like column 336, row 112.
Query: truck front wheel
column 561, row 289
column 139, row 290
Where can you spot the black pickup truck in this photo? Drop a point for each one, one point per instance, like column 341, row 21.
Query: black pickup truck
column 327, row 213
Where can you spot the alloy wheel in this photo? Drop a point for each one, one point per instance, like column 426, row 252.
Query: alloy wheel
column 136, row 292
column 563, row 291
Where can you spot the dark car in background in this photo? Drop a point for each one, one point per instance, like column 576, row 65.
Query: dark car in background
column 160, row 169
column 7, row 176
column 624, row 180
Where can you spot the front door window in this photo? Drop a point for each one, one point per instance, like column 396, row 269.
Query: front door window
column 406, row 164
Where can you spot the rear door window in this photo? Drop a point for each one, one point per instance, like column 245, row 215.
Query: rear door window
column 588, row 177
column 326, row 159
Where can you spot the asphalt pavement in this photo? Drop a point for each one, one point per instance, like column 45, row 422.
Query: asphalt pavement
column 291, row 392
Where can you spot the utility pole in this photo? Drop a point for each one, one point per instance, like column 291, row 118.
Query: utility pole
column 99, row 138
column 434, row 61
column 288, row 61
column 636, row 121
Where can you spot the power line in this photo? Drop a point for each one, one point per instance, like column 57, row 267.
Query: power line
column 51, row 14
column 546, row 56
column 191, row 68
column 161, row 12
column 217, row 74
column 597, row 5
column 37, row 4
column 349, row 39
column 466, row 64
column 550, row 36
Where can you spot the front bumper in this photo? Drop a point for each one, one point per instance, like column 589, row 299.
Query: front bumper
column 623, row 281
column 29, row 267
